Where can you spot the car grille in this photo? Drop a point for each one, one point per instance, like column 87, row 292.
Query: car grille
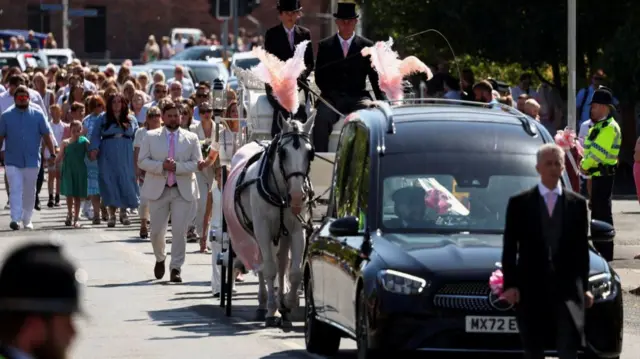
column 467, row 296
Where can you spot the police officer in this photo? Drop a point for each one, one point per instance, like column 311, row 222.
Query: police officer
column 39, row 295
column 601, row 148
column 281, row 41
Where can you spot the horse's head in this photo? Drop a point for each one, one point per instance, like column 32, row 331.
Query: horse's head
column 293, row 159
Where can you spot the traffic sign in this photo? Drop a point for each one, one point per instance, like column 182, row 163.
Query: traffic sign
column 83, row 12
column 51, row 7
column 224, row 9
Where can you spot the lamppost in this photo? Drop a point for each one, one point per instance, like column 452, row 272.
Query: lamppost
column 571, row 65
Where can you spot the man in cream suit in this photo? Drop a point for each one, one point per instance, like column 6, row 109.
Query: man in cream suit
column 170, row 156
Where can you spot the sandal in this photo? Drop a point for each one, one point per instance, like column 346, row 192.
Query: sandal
column 124, row 220
column 67, row 221
column 111, row 222
column 96, row 220
column 76, row 223
column 203, row 245
column 144, row 232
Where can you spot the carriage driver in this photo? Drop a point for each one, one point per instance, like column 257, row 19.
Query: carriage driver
column 410, row 207
column 340, row 74
column 280, row 41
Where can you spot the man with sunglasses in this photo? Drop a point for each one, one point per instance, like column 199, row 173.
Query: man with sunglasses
column 203, row 94
column 24, row 127
column 160, row 91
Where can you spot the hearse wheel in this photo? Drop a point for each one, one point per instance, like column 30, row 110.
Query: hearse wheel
column 320, row 338
column 362, row 331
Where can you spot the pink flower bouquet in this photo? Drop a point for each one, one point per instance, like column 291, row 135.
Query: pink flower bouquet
column 496, row 282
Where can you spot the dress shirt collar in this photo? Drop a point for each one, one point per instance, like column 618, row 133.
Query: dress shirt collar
column 289, row 31
column 348, row 41
column 544, row 190
column 170, row 132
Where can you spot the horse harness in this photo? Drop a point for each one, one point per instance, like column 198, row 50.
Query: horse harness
column 273, row 196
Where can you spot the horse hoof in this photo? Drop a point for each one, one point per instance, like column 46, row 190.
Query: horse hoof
column 272, row 322
column 261, row 314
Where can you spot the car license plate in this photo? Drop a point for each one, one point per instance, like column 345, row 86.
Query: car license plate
column 486, row 324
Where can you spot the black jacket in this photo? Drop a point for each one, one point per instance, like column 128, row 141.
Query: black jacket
column 525, row 257
column 336, row 75
column 276, row 43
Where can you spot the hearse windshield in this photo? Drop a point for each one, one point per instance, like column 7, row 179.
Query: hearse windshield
column 452, row 192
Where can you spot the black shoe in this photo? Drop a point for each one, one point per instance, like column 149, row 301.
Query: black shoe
column 50, row 203
column 158, row 270
column 14, row 225
column 175, row 276
column 57, row 201
column 217, row 295
column 37, row 206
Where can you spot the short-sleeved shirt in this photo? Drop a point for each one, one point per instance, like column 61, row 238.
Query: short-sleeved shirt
column 139, row 137
column 23, row 131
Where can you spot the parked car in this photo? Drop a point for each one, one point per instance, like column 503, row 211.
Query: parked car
column 199, row 53
column 186, row 32
column 23, row 60
column 61, row 57
column 390, row 286
column 202, row 70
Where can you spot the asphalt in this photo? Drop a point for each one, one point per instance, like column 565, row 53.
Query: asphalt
column 131, row 315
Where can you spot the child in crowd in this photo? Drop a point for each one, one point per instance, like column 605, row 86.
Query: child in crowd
column 74, row 172
column 58, row 129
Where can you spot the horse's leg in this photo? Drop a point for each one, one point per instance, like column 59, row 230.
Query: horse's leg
column 283, row 268
column 261, row 312
column 295, row 270
column 263, row 237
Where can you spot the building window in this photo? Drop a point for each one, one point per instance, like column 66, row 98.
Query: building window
column 37, row 19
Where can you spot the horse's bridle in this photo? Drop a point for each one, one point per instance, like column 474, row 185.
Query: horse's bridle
column 298, row 139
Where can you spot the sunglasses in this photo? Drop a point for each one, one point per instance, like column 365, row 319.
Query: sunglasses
column 159, row 91
column 207, row 110
column 22, row 97
column 202, row 95
column 155, row 115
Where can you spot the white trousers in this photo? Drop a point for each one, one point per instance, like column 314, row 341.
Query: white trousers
column 22, row 196
column 216, row 248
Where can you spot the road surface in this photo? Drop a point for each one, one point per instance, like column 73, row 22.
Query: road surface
column 133, row 316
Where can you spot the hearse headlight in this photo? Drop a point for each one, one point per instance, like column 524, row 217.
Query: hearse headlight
column 601, row 286
column 401, row 283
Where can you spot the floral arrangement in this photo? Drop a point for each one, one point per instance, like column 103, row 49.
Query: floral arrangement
column 438, row 201
column 496, row 282
column 568, row 140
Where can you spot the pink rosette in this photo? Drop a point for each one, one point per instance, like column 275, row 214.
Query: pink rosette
column 496, row 282
column 438, row 201
column 568, row 140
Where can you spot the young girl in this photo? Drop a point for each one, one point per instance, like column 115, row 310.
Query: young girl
column 74, row 172
column 58, row 129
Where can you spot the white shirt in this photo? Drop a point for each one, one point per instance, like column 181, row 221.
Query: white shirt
column 289, row 34
column 57, row 130
column 544, row 191
column 348, row 41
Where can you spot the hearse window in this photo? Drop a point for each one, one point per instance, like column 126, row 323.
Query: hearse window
column 342, row 168
column 355, row 204
column 462, row 192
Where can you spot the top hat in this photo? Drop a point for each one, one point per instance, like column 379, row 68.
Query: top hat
column 602, row 96
column 346, row 11
column 37, row 278
column 289, row 5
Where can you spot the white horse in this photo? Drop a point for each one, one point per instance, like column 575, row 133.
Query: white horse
column 270, row 191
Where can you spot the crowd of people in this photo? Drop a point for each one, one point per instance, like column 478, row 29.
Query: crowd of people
column 95, row 127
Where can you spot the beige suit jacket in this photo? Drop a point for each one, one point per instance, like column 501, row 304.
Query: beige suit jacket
column 154, row 150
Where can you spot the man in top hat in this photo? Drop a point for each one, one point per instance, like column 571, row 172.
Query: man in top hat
column 601, row 148
column 341, row 73
column 39, row 294
column 281, row 41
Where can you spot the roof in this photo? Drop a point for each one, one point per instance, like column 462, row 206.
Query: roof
column 57, row 51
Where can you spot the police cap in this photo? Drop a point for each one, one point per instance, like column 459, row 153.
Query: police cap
column 37, row 278
column 409, row 195
column 602, row 96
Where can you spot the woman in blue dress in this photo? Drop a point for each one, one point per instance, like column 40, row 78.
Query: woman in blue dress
column 95, row 108
column 112, row 145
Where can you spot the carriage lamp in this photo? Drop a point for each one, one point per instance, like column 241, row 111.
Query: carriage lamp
column 219, row 97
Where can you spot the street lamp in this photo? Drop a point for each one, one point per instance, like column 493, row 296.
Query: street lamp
column 571, row 65
column 219, row 103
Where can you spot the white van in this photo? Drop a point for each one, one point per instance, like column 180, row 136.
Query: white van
column 186, row 32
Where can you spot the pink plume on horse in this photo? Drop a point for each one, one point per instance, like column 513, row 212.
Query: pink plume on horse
column 282, row 76
column 567, row 139
column 391, row 70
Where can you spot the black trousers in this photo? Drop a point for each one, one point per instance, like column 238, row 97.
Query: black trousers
column 326, row 117
column 534, row 329
column 601, row 196
column 40, row 180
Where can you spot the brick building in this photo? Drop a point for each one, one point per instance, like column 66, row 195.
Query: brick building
column 122, row 27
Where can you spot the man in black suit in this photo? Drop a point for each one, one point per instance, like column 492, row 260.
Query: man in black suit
column 280, row 41
column 545, row 260
column 340, row 74
column 410, row 208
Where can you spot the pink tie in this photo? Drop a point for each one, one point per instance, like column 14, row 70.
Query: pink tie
column 551, row 202
column 345, row 48
column 171, row 180
column 291, row 40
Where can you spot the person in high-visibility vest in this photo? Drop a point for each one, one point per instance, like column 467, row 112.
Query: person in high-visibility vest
column 39, row 296
column 601, row 148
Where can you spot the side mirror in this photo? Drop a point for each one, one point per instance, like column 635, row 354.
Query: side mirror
column 602, row 231
column 346, row 226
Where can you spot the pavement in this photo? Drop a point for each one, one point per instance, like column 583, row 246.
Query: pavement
column 131, row 315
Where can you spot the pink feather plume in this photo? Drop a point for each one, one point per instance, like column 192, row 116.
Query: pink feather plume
column 282, row 76
column 567, row 139
column 391, row 70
